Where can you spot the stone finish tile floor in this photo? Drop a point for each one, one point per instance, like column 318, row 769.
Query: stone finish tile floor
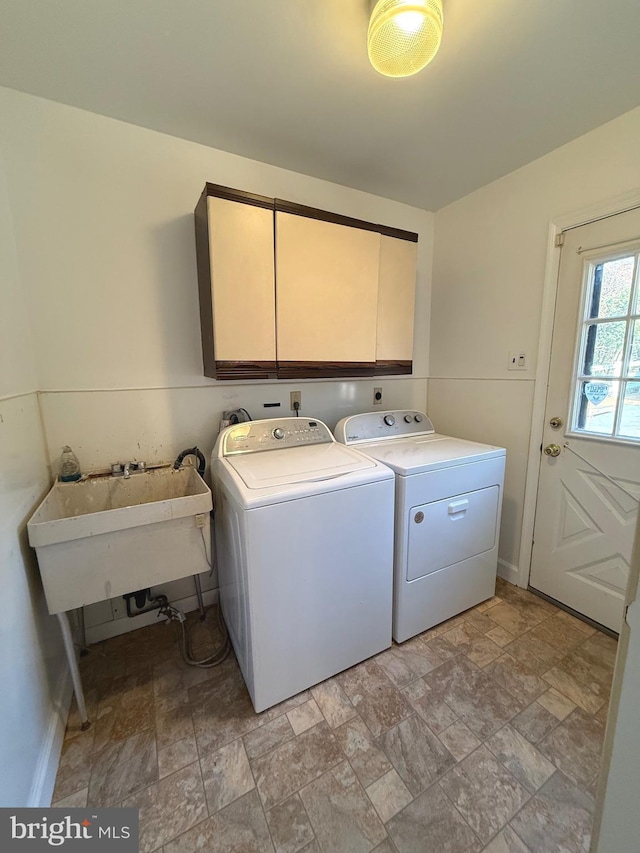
column 482, row 734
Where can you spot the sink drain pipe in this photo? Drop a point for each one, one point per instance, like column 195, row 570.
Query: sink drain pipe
column 145, row 603
column 173, row 614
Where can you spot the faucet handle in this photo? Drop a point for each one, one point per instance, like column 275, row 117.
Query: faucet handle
column 117, row 468
column 139, row 466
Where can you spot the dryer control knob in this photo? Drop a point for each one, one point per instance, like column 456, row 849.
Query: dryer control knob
column 278, row 433
column 418, row 418
column 408, row 419
column 389, row 420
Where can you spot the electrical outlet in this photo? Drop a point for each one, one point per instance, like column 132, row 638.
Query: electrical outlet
column 295, row 397
column 517, row 360
column 377, row 396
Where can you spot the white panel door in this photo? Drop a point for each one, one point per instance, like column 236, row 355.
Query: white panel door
column 588, row 493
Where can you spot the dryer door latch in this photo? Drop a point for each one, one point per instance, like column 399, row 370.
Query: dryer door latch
column 456, row 507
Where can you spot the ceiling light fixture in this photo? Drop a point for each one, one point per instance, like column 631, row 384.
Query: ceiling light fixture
column 404, row 35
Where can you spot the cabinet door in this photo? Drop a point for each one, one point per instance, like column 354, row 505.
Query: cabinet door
column 237, row 290
column 241, row 250
column 327, row 293
column 396, row 295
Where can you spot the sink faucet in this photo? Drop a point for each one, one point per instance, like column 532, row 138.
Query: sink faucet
column 125, row 469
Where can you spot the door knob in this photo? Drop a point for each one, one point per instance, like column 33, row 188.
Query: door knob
column 556, row 423
column 552, row 450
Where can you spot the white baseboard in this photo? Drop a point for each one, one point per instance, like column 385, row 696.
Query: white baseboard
column 508, row 572
column 115, row 627
column 44, row 778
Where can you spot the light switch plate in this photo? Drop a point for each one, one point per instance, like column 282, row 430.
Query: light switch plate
column 517, row 360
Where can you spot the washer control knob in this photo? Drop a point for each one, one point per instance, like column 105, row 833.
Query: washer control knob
column 418, row 418
column 389, row 420
column 408, row 419
column 278, row 433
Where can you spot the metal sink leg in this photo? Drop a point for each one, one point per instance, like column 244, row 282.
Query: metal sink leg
column 69, row 648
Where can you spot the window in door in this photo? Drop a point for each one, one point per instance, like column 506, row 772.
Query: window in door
column 606, row 392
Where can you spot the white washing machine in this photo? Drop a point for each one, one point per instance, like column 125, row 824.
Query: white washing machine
column 304, row 543
column 448, row 503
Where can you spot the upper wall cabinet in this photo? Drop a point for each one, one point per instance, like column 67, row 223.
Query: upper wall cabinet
column 288, row 291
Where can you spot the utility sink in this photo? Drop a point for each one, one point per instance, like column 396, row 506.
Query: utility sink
column 102, row 537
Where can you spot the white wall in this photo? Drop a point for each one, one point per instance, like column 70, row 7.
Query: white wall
column 104, row 227
column 32, row 668
column 488, row 275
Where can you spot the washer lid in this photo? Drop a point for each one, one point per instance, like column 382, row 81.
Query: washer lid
column 429, row 452
column 296, row 465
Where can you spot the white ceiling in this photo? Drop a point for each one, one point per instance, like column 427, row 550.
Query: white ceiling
column 288, row 82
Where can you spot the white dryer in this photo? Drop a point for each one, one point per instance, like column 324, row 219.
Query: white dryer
column 304, row 543
column 448, row 503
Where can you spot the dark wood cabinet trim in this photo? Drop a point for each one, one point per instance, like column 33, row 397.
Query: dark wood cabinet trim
column 203, row 263
column 246, row 370
column 338, row 219
column 324, row 369
column 293, row 207
column 324, row 215
column 393, row 368
column 398, row 233
column 287, row 370
column 238, row 195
